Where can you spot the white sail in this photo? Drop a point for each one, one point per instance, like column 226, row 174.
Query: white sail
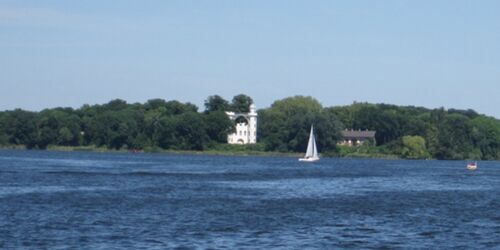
column 312, row 150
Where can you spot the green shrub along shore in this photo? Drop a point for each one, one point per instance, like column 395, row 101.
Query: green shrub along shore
column 220, row 149
column 405, row 132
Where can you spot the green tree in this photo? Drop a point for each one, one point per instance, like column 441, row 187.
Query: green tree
column 190, row 131
column 165, row 134
column 454, row 137
column 241, row 103
column 116, row 105
column 486, row 136
column 218, row 126
column 216, row 103
column 59, row 126
column 21, row 128
column 4, row 139
column 153, row 104
column 177, row 108
column 65, row 136
column 414, row 147
column 286, row 124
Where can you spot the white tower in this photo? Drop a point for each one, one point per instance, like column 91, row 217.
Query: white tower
column 246, row 132
column 252, row 124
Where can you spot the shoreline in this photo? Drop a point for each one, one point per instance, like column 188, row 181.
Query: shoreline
column 213, row 152
column 155, row 151
column 219, row 152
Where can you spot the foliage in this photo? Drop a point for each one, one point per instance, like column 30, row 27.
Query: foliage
column 405, row 131
column 454, row 137
column 286, row 124
column 413, row 147
column 218, row 126
column 241, row 103
column 224, row 147
column 19, row 128
column 216, row 103
column 447, row 134
column 363, row 151
column 116, row 125
column 486, row 137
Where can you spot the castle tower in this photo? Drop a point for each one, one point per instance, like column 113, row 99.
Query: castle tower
column 252, row 124
column 246, row 132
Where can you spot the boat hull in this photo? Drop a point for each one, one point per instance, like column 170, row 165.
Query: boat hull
column 309, row 159
column 471, row 167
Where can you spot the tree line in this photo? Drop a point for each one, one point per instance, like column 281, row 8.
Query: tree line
column 416, row 132
column 120, row 125
column 406, row 131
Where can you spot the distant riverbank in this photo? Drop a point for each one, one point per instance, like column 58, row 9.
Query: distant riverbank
column 227, row 150
column 404, row 132
column 159, row 151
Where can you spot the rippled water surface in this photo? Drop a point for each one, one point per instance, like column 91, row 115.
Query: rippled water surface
column 59, row 200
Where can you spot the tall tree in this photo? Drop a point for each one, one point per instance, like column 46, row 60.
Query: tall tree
column 21, row 128
column 216, row 103
column 155, row 104
column 486, row 136
column 241, row 103
column 190, row 131
column 454, row 137
column 413, row 147
column 177, row 108
column 218, row 126
column 285, row 125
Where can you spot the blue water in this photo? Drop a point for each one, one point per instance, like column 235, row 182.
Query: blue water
column 68, row 200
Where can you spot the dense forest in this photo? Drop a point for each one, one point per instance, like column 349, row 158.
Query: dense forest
column 406, row 132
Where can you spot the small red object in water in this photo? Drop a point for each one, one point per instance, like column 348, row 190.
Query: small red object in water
column 472, row 166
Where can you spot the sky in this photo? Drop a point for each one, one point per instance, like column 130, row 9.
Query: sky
column 431, row 53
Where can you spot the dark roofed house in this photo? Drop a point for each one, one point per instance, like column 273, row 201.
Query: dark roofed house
column 356, row 137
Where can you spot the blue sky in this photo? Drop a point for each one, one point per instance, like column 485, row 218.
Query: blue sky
column 424, row 53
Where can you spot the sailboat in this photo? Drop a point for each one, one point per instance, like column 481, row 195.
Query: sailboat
column 312, row 150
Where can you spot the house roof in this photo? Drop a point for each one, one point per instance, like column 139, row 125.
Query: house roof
column 358, row 134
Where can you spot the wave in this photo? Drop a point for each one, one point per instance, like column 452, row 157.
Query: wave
column 147, row 173
column 8, row 172
column 67, row 172
column 9, row 191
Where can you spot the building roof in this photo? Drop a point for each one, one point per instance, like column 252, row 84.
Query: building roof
column 358, row 134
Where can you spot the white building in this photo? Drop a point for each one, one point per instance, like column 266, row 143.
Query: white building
column 246, row 127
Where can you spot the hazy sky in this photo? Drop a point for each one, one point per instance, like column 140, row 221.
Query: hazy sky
column 428, row 53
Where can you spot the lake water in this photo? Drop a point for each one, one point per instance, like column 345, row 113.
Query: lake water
column 60, row 200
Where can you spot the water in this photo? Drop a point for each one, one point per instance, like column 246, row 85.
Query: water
column 61, row 200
